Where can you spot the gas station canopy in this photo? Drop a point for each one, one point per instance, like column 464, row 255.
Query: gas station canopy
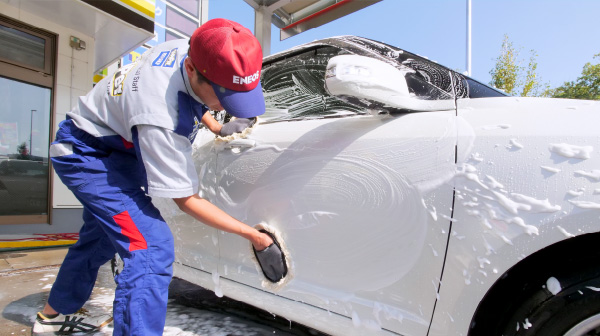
column 118, row 26
column 293, row 17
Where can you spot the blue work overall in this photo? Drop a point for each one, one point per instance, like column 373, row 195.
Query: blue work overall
column 106, row 177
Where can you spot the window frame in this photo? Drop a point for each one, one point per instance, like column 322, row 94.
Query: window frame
column 179, row 16
column 48, row 68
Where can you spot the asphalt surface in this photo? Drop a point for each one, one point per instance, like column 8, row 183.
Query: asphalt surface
column 26, row 277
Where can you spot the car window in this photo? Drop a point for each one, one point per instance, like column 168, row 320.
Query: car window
column 294, row 84
column 425, row 73
column 478, row 90
column 294, row 88
column 426, row 80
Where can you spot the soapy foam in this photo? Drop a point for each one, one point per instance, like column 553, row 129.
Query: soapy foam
column 551, row 169
column 242, row 135
column 572, row 151
column 585, row 204
column 593, row 175
column 494, row 127
column 513, row 144
column 564, row 232
column 535, row 205
column 553, row 285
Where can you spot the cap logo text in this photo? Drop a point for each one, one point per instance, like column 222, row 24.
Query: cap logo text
column 246, row 80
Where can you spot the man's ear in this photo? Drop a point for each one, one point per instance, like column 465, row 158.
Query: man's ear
column 189, row 67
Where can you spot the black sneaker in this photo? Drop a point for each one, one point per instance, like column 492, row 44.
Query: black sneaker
column 79, row 322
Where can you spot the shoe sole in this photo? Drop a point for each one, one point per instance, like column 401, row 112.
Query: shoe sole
column 74, row 333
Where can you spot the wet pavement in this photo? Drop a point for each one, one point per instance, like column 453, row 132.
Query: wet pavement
column 26, row 278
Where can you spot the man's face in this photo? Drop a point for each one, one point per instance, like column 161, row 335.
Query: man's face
column 203, row 90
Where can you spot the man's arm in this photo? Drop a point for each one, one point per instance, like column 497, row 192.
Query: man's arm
column 211, row 215
column 213, row 125
column 171, row 173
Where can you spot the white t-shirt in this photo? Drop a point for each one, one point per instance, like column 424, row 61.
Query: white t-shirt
column 148, row 95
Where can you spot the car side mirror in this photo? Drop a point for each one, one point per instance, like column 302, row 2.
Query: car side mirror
column 372, row 79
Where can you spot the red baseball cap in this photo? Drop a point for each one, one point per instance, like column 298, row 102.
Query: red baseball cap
column 230, row 57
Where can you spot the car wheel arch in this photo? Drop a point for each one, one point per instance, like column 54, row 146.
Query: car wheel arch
column 571, row 261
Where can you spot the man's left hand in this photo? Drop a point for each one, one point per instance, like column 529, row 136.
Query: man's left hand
column 236, row 126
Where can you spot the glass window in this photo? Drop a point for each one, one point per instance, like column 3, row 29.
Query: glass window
column 294, row 84
column 424, row 73
column 24, row 141
column 190, row 6
column 20, row 47
column 26, row 48
column 294, row 88
column 180, row 22
column 478, row 90
column 426, row 80
column 27, row 62
column 169, row 36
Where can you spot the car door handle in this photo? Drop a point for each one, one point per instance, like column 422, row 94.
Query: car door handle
column 241, row 143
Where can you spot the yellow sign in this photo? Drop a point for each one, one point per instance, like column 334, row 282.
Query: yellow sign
column 100, row 75
column 135, row 56
column 145, row 7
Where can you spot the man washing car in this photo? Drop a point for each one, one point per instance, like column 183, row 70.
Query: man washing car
column 133, row 130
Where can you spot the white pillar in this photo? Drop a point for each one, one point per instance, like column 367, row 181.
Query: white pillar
column 203, row 12
column 262, row 28
column 469, row 73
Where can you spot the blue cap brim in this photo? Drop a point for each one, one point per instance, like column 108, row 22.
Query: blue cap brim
column 241, row 104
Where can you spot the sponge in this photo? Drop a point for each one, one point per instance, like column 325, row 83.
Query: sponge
column 278, row 276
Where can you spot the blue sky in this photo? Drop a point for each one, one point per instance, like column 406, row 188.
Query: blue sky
column 565, row 34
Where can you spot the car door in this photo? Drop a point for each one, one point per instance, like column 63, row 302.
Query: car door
column 196, row 244
column 361, row 199
column 528, row 180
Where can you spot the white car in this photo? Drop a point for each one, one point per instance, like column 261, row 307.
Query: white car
column 413, row 200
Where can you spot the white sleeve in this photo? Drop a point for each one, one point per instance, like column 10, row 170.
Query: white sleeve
column 167, row 158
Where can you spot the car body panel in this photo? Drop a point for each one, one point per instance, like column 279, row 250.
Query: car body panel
column 297, row 311
column 529, row 180
column 354, row 199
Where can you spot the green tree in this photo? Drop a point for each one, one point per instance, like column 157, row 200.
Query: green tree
column 531, row 86
column 506, row 71
column 23, row 151
column 509, row 76
column 587, row 86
